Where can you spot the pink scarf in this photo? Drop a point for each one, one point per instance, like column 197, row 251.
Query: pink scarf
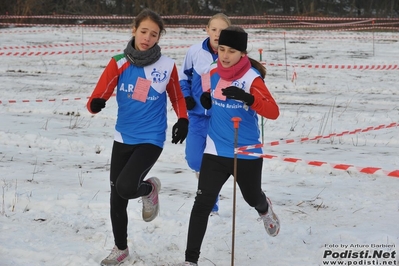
column 236, row 71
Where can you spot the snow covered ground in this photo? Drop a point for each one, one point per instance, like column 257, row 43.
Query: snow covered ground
column 54, row 155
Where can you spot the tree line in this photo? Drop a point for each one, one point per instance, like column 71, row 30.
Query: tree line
column 328, row 8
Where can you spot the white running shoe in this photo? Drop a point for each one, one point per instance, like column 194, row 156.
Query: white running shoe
column 151, row 201
column 270, row 220
column 116, row 257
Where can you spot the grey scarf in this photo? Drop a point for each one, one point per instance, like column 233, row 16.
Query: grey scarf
column 142, row 58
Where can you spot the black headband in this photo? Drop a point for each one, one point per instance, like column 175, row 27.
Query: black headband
column 234, row 39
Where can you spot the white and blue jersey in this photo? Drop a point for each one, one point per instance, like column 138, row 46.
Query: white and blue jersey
column 221, row 132
column 197, row 62
column 132, row 124
column 141, row 94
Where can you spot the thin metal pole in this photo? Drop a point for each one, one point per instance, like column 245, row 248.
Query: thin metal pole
column 83, row 46
column 236, row 121
column 285, row 52
column 261, row 118
column 373, row 39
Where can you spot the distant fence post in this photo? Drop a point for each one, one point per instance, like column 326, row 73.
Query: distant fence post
column 373, row 30
column 285, row 52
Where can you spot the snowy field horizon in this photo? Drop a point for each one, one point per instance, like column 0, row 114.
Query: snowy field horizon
column 331, row 161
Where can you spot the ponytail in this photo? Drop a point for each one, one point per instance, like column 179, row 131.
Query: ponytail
column 258, row 66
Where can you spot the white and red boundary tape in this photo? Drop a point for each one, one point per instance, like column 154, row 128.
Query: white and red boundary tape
column 41, row 100
column 97, row 51
column 345, row 167
column 62, row 45
column 319, row 137
column 48, row 100
column 296, row 25
column 92, row 51
column 264, row 17
column 277, row 34
column 41, row 53
column 329, row 66
column 293, row 21
column 242, row 150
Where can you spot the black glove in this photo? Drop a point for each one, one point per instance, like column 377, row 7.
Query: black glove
column 236, row 93
column 206, row 100
column 180, row 130
column 190, row 102
column 97, row 104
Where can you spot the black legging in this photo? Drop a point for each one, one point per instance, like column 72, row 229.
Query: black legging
column 129, row 166
column 215, row 171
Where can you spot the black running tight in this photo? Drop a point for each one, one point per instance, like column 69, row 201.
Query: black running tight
column 215, row 171
column 129, row 166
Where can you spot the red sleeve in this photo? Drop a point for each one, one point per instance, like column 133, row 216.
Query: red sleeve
column 106, row 84
column 264, row 103
column 175, row 95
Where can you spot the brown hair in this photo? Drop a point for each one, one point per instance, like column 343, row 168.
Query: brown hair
column 148, row 13
column 254, row 63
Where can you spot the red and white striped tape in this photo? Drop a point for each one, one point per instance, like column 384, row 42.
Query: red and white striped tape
column 59, row 45
column 93, row 51
column 345, row 24
column 62, row 45
column 264, row 17
column 299, row 34
column 345, row 167
column 278, row 34
column 324, row 66
column 310, row 66
column 306, row 139
column 41, row 53
column 41, row 100
column 48, row 100
column 126, row 27
column 51, row 28
column 196, row 26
